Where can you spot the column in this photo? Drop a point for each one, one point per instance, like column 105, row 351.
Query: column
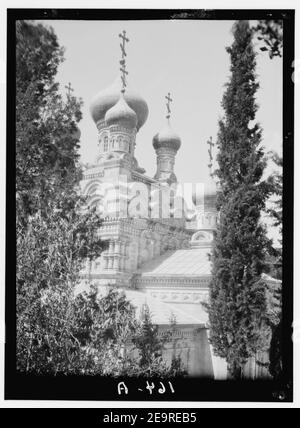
column 117, row 247
column 123, row 255
column 116, row 262
column 105, row 257
column 110, row 255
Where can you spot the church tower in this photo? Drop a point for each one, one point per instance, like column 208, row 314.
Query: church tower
column 166, row 144
column 122, row 192
column 118, row 113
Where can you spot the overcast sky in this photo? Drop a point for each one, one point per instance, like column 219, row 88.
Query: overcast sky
column 187, row 58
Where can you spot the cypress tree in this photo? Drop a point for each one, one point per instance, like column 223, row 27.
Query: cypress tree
column 237, row 304
column 47, row 136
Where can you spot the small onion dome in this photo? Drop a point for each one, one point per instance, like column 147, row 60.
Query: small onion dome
column 107, row 98
column 121, row 114
column 167, row 138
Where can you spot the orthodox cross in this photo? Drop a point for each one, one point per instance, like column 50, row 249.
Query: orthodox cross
column 211, row 144
column 123, row 70
column 169, row 100
column 69, row 89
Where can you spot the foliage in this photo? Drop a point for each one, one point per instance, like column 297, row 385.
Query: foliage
column 147, row 340
column 121, row 344
column 59, row 330
column 276, row 366
column 55, row 232
column 50, row 253
column 275, row 212
column 47, row 137
column 150, row 346
column 271, row 33
column 237, row 305
column 87, row 334
column 104, row 326
column 276, row 182
column 275, row 313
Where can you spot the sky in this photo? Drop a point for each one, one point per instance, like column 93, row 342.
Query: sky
column 187, row 59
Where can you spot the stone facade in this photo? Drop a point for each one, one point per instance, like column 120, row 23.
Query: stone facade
column 159, row 259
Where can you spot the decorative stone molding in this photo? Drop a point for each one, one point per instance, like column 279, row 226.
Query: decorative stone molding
column 136, row 176
column 172, row 281
column 202, row 238
column 179, row 333
column 91, row 176
column 188, row 296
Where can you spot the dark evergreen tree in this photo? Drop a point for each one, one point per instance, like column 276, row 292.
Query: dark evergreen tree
column 276, row 213
column 276, row 364
column 47, row 137
column 237, row 305
column 150, row 345
column 54, row 235
column 275, row 317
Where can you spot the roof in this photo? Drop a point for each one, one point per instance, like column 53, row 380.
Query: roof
column 187, row 262
column 121, row 114
column 162, row 313
column 167, row 138
column 108, row 97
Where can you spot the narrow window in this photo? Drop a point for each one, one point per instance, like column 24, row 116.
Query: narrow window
column 105, row 144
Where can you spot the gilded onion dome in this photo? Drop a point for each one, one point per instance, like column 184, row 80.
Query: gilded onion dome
column 121, row 114
column 167, row 138
column 107, row 98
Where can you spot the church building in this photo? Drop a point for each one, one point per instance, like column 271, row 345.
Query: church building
column 158, row 246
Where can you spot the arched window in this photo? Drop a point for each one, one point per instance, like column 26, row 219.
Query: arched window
column 119, row 142
column 105, row 147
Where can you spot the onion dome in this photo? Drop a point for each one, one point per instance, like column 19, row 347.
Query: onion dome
column 166, row 138
column 121, row 114
column 107, row 98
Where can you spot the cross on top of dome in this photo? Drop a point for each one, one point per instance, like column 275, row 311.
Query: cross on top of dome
column 123, row 70
column 169, row 100
column 211, row 144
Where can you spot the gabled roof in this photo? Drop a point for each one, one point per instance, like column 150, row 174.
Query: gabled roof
column 192, row 262
column 162, row 313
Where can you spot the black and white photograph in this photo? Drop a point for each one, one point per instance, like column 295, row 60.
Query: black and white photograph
column 149, row 205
